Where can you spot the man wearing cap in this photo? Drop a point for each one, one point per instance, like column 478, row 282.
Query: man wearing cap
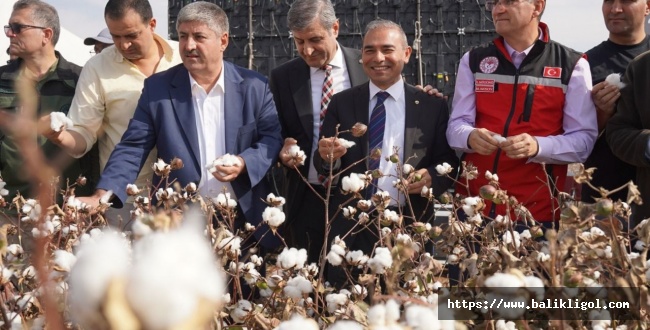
column 101, row 41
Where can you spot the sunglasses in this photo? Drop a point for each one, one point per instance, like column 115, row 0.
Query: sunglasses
column 16, row 28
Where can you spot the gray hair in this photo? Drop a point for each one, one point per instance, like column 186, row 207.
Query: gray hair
column 304, row 12
column 386, row 24
column 43, row 14
column 204, row 12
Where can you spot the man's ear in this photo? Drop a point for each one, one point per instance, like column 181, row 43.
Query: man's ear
column 224, row 41
column 335, row 29
column 48, row 34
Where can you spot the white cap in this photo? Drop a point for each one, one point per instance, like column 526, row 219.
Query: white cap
column 104, row 37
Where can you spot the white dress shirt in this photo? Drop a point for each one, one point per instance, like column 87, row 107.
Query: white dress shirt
column 210, row 127
column 395, row 106
column 341, row 82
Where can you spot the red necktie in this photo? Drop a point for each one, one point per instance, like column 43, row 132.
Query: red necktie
column 328, row 91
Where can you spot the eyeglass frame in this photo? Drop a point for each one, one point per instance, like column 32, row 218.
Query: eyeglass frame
column 20, row 28
column 491, row 4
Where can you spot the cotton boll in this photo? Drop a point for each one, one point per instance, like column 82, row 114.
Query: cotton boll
column 535, row 285
column 273, row 216
column 71, row 229
column 356, row 258
column 59, row 120
column 382, row 260
column 615, row 79
column 444, row 169
column 392, row 312
column 242, row 311
column 172, row 273
column 298, row 322
column 276, row 201
column 639, row 245
column 63, row 260
column 407, row 169
column 505, row 283
column 224, row 200
column 345, row 325
column 336, row 301
column 377, row 315
column 334, row 257
column 352, row 183
column 297, row 154
column 359, row 290
column 511, row 238
column 499, row 138
column 230, row 245
column 421, row 318
column 227, row 160
column 29, row 272
column 14, row 252
column 292, row 258
column 98, row 263
column 345, row 143
column 503, row 325
column 25, row 301
column 140, row 229
column 297, row 286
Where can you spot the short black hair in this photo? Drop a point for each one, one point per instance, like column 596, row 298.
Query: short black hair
column 116, row 9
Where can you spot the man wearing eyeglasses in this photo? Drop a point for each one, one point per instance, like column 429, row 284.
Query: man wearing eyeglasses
column 110, row 85
column 33, row 32
column 523, row 109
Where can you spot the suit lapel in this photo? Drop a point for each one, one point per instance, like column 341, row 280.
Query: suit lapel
column 355, row 69
column 412, row 119
column 301, row 87
column 233, row 104
column 181, row 99
column 361, row 106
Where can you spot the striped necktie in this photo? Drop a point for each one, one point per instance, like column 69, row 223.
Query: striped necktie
column 328, row 91
column 376, row 125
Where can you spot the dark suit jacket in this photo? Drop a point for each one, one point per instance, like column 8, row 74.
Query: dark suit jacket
column 290, row 84
column 424, row 137
column 165, row 119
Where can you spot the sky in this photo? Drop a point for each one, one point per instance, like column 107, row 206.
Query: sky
column 575, row 23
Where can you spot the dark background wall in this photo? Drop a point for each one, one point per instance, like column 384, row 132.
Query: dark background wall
column 440, row 32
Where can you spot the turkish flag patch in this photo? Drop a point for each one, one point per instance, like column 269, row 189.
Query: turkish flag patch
column 552, row 72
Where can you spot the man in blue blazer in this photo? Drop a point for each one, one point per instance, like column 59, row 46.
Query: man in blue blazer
column 197, row 112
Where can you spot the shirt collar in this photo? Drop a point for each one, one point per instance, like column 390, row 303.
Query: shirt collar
column 512, row 51
column 396, row 91
column 168, row 51
column 336, row 62
column 218, row 87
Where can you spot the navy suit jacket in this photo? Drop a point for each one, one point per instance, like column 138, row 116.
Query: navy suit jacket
column 165, row 119
column 425, row 143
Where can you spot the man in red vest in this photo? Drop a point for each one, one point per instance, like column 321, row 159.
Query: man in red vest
column 522, row 109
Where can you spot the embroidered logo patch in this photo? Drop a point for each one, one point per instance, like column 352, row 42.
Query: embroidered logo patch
column 489, row 64
column 552, row 72
column 484, row 85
